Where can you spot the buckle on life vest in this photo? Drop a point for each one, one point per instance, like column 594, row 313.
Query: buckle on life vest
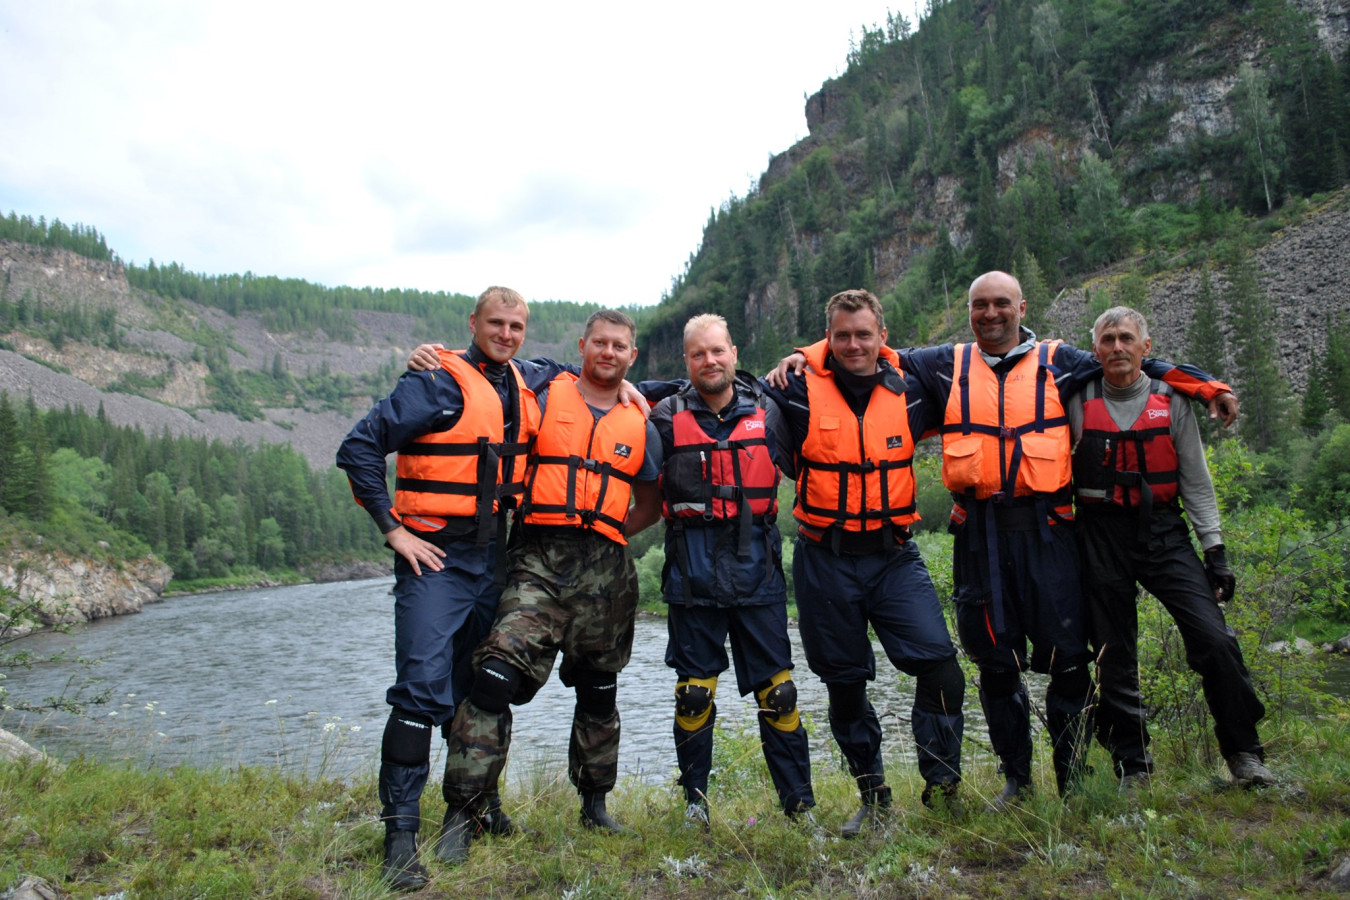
column 998, row 497
column 1007, row 432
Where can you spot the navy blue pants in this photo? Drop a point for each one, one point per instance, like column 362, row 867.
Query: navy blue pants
column 1115, row 562
column 838, row 598
column 761, row 649
column 439, row 617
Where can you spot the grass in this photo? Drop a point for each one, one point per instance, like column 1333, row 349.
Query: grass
column 97, row 829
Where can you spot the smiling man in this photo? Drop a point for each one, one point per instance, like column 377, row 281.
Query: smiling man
column 571, row 590
column 853, row 425
column 460, row 432
column 1137, row 462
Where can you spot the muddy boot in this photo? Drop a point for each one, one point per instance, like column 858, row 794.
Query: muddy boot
column 943, row 795
column 595, row 816
column 875, row 801
column 401, row 869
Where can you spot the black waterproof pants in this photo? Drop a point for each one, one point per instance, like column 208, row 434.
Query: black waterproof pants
column 1117, row 560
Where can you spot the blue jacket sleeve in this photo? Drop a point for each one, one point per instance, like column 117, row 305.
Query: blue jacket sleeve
column 418, row 404
column 928, row 374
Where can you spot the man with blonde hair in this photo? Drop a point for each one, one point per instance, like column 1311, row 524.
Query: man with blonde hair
column 721, row 442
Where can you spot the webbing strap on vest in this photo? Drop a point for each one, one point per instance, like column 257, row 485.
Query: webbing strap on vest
column 486, row 489
column 574, row 465
column 840, row 512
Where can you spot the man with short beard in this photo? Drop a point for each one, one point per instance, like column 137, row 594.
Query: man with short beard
column 721, row 438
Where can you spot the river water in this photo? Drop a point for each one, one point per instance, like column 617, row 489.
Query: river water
column 295, row 677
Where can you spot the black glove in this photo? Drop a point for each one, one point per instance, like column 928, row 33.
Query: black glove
column 1220, row 576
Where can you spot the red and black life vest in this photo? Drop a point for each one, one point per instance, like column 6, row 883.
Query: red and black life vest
column 1134, row 468
column 710, row 482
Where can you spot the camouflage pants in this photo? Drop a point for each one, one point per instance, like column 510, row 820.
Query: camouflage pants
column 576, row 595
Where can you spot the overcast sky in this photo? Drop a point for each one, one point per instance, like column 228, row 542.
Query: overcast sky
column 572, row 151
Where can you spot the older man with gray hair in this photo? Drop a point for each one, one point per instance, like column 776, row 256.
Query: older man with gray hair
column 1137, row 461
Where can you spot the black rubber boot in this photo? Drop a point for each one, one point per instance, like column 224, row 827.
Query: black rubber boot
column 1014, row 791
column 595, row 816
column 496, row 822
column 401, row 869
column 875, row 800
column 458, row 830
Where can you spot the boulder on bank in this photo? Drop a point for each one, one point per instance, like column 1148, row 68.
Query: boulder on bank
column 14, row 747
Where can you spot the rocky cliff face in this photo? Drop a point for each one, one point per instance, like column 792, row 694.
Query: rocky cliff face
column 70, row 590
column 1304, row 271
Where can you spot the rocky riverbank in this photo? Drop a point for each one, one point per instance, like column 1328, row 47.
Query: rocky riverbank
column 66, row 590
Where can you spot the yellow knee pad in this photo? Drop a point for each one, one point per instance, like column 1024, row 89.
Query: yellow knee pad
column 778, row 702
column 694, row 702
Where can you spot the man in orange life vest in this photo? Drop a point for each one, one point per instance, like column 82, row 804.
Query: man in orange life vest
column 572, row 589
column 460, row 432
column 853, row 425
column 1006, row 460
column 720, row 439
column 1137, row 460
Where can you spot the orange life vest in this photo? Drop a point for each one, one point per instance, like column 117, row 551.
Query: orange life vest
column 1005, row 436
column 458, row 472
column 1130, row 469
column 854, row 472
column 582, row 468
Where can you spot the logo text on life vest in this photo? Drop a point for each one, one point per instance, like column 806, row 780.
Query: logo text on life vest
column 623, row 450
column 895, row 441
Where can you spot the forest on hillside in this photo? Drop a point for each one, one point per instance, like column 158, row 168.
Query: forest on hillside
column 1054, row 125
column 209, row 509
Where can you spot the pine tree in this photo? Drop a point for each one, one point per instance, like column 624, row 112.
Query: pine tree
column 1256, row 368
column 1316, row 404
column 1205, row 344
column 1335, row 372
column 1035, row 292
column 10, row 443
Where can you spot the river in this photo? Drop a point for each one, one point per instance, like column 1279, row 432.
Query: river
column 295, row 677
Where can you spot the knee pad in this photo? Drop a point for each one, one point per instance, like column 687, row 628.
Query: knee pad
column 848, row 702
column 940, row 687
column 999, row 683
column 597, row 692
column 778, row 702
column 694, row 702
column 407, row 740
column 494, row 685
